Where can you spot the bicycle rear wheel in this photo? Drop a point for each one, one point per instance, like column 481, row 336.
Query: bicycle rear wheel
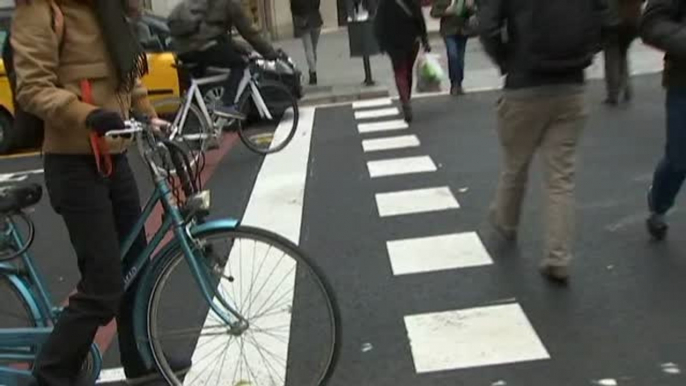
column 15, row 313
column 269, row 134
column 293, row 333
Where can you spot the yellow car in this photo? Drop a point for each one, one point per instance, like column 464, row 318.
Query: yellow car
column 162, row 80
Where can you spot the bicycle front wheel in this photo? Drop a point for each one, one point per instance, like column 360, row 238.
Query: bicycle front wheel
column 293, row 332
column 271, row 118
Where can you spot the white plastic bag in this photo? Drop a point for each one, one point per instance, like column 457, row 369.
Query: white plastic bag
column 429, row 73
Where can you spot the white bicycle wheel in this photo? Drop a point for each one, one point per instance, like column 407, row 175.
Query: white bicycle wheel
column 195, row 135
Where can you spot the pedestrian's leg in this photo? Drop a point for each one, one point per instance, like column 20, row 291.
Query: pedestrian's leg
column 316, row 33
column 82, row 198
column 400, row 69
column 410, row 61
column 308, row 44
column 671, row 171
column 520, row 124
column 127, row 212
column 559, row 159
column 612, row 68
column 451, row 47
column 462, row 48
column 627, row 39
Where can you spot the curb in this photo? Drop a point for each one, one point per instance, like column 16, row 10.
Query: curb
column 334, row 96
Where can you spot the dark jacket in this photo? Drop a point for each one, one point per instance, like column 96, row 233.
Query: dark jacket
column 399, row 25
column 220, row 17
column 509, row 48
column 306, row 16
column 664, row 26
column 453, row 24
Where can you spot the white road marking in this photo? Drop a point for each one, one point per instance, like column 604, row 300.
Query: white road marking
column 112, row 376
column 437, row 253
column 390, row 143
column 18, row 176
column 276, row 204
column 475, row 337
column 372, row 103
column 399, row 166
column 415, row 201
column 373, row 127
column 378, row 113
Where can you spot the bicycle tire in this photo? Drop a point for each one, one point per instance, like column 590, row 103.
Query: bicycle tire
column 12, row 298
column 274, row 94
column 168, row 108
column 166, row 268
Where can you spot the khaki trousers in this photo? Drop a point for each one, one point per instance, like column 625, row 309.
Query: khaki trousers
column 551, row 122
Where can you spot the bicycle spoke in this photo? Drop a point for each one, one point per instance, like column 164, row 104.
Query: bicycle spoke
column 264, row 258
column 270, row 275
column 267, row 363
column 275, row 289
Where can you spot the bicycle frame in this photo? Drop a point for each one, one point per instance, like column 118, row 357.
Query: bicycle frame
column 194, row 94
column 16, row 343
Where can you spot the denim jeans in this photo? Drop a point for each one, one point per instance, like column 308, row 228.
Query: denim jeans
column 671, row 171
column 456, row 46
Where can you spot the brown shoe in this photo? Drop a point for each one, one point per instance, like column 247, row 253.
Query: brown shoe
column 555, row 273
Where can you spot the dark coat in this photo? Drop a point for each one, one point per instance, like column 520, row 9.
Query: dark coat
column 306, row 16
column 664, row 26
column 399, row 25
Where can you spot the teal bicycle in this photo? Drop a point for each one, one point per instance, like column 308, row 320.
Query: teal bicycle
column 246, row 306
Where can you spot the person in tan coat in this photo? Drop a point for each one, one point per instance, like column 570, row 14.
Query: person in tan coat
column 78, row 68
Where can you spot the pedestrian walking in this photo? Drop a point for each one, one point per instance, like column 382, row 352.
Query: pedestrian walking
column 78, row 67
column 663, row 26
column 400, row 29
column 543, row 56
column 307, row 24
column 455, row 16
column 620, row 32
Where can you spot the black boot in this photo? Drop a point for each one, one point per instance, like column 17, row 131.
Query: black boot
column 407, row 112
column 313, row 78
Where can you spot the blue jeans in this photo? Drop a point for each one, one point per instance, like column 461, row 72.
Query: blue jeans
column 671, row 171
column 456, row 46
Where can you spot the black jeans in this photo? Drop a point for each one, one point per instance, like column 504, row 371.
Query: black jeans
column 99, row 212
column 223, row 54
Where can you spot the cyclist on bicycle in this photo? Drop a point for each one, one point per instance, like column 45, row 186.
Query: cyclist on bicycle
column 200, row 29
column 82, row 84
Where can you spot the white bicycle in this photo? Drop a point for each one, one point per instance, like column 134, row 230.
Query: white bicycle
column 266, row 104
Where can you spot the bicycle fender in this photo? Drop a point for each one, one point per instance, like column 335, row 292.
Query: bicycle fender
column 24, row 290
column 147, row 279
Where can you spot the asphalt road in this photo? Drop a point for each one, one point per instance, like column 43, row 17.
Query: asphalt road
column 429, row 297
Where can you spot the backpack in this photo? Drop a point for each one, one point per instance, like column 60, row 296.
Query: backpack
column 26, row 123
column 185, row 19
column 564, row 36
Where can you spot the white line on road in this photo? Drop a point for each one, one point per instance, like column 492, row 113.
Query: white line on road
column 399, row 166
column 19, row 176
column 372, row 103
column 437, row 253
column 379, row 113
column 390, row 143
column 112, row 375
column 475, row 337
column 415, row 201
column 396, row 124
column 276, row 204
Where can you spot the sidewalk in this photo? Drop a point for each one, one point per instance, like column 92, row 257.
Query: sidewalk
column 341, row 77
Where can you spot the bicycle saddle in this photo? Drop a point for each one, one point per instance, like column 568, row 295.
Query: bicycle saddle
column 16, row 198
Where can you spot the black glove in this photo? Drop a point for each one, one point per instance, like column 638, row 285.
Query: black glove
column 102, row 121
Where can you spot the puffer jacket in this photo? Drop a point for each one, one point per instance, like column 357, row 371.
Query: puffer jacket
column 51, row 66
column 399, row 25
column 664, row 26
column 219, row 19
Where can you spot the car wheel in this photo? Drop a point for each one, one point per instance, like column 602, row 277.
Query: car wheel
column 7, row 134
